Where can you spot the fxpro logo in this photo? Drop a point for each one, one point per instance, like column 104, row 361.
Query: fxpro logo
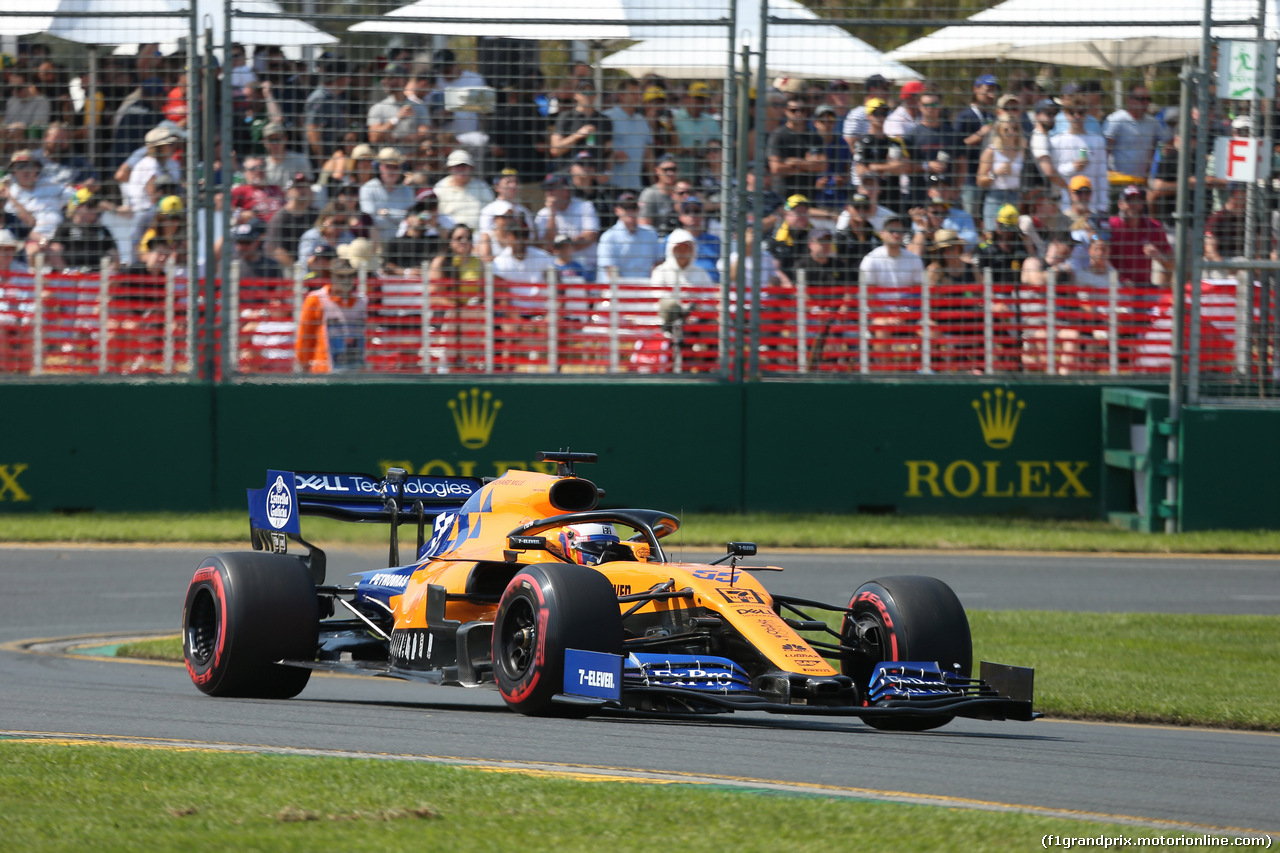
column 998, row 417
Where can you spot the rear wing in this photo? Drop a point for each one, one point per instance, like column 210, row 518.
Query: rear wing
column 275, row 510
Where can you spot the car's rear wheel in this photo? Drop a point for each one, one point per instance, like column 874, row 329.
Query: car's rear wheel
column 244, row 611
column 905, row 618
column 545, row 610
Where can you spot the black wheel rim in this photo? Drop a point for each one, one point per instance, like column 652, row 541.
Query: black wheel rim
column 519, row 637
column 868, row 635
column 202, row 628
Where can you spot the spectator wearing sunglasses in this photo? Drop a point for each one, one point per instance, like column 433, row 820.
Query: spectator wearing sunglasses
column 796, row 157
column 1133, row 135
column 1078, row 152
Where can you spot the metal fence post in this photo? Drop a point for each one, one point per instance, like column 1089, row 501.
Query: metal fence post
column 1050, row 321
column 1113, row 322
column 553, row 320
column 488, row 318
column 802, row 330
column 615, row 359
column 424, row 347
column 988, row 322
column 864, row 325
column 37, row 322
column 926, row 328
column 170, row 289
column 104, row 317
column 231, row 343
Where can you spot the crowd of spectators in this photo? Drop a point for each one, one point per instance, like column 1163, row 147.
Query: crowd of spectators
column 896, row 184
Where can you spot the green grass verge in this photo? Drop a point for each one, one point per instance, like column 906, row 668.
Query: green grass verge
column 110, row 798
column 699, row 530
column 1128, row 667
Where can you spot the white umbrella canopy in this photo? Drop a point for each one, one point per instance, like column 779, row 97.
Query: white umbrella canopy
column 164, row 21
column 1101, row 45
column 812, row 49
column 554, row 19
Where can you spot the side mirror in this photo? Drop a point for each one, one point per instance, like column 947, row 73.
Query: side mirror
column 527, row 543
column 742, row 549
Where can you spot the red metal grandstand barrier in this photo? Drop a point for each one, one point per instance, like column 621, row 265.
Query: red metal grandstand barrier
column 142, row 325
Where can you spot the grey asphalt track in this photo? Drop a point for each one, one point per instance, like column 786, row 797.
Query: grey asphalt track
column 1183, row 780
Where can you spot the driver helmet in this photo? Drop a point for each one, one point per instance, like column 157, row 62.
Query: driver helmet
column 585, row 544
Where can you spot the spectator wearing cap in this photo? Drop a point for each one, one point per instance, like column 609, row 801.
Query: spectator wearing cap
column 507, row 191
column 165, row 238
column 562, row 214
column 385, row 197
column 451, row 75
column 282, row 165
column 795, row 152
column 838, row 98
column 906, row 116
column 255, row 197
column 1046, row 114
column 1140, row 249
column 831, row 188
column 941, row 211
column 881, row 156
column 662, row 122
column 629, row 248
column 1004, row 251
column 80, row 242
column 658, row 201
column 1075, row 92
column 1133, row 135
column 695, row 126
column 422, row 237
column 328, row 111
column 786, row 244
column 692, row 218
column 632, row 137
column 1009, row 106
column 585, row 183
column 462, row 195
column 333, row 325
column 855, row 232
column 254, row 263
column 1079, row 152
column 351, row 170
column 855, row 124
column 160, row 158
column 33, row 206
column 972, row 127
column 397, row 120
column 293, row 220
column 583, row 128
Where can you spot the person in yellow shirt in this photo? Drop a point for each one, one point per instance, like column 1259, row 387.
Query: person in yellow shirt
column 331, row 330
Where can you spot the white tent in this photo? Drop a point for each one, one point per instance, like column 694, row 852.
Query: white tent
column 812, row 49
column 163, row 21
column 603, row 20
column 1174, row 32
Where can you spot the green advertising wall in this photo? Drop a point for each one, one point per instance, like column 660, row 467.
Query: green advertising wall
column 910, row 448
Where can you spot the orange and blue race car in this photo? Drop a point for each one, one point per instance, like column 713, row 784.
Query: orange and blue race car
column 524, row 584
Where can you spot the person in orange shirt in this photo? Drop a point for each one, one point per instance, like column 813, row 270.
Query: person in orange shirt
column 331, row 330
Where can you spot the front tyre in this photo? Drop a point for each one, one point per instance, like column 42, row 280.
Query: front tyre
column 244, row 611
column 545, row 610
column 905, row 618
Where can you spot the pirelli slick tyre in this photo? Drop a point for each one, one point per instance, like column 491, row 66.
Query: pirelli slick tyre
column 245, row 611
column 912, row 618
column 544, row 610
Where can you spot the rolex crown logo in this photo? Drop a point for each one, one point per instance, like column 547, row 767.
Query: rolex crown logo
column 999, row 417
column 474, row 415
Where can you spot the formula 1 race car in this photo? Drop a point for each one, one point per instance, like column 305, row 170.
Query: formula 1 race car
column 524, row 584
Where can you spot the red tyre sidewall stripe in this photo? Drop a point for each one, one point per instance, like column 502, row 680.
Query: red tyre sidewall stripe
column 211, row 576
column 878, row 603
column 540, row 652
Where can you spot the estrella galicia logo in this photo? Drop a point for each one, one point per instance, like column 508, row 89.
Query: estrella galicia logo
column 279, row 504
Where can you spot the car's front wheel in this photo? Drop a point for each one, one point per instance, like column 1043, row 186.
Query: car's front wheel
column 244, row 611
column 545, row 610
column 905, row 618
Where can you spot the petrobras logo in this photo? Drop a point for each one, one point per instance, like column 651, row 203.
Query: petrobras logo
column 388, row 579
column 279, row 504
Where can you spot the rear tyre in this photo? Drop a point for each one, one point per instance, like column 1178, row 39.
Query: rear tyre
column 244, row 611
column 546, row 609
column 906, row 618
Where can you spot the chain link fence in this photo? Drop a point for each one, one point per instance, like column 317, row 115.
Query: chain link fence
column 636, row 186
